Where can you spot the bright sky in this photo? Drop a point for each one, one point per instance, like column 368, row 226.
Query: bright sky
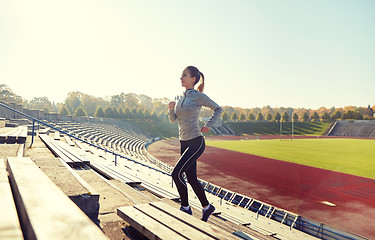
column 290, row 53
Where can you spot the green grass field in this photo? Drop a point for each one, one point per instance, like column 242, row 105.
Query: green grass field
column 352, row 156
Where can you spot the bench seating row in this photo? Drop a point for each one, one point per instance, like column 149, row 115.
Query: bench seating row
column 33, row 207
column 14, row 135
column 159, row 220
column 59, row 149
column 107, row 137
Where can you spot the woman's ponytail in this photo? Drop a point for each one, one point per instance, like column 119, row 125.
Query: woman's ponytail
column 199, row 77
column 201, row 83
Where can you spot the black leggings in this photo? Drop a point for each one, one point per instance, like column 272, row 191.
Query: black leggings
column 190, row 152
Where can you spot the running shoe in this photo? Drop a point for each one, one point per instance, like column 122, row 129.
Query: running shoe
column 207, row 213
column 187, row 211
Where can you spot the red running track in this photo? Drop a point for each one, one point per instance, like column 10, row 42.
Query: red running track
column 294, row 187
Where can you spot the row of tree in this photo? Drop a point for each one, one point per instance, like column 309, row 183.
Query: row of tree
column 298, row 114
column 133, row 106
column 304, row 117
column 113, row 112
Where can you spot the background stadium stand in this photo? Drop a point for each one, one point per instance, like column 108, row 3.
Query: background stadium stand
column 354, row 128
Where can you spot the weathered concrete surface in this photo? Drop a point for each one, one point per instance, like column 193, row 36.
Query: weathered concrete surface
column 63, row 178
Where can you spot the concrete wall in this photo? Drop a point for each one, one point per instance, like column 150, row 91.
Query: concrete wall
column 40, row 115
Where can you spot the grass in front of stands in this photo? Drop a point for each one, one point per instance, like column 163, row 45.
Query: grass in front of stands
column 352, row 156
column 273, row 128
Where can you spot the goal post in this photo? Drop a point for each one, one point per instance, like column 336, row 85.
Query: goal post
column 285, row 130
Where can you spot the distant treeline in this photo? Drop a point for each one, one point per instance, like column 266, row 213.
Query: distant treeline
column 269, row 114
column 133, row 106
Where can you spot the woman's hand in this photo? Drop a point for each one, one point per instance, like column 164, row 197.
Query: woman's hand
column 171, row 105
column 205, row 129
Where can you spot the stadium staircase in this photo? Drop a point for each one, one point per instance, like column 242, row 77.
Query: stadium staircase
column 222, row 130
column 117, row 154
